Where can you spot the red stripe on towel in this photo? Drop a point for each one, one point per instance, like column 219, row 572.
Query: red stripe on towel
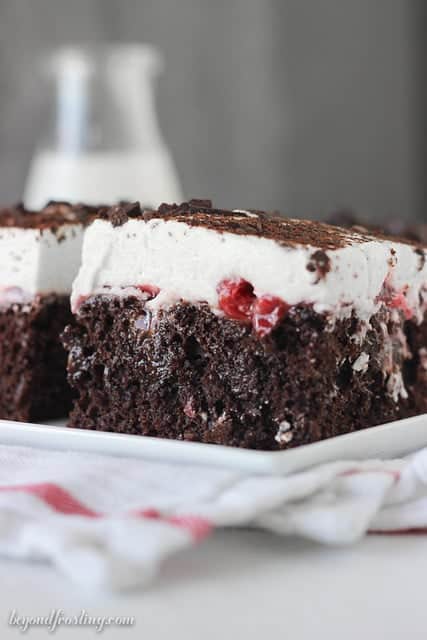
column 63, row 502
column 199, row 528
column 55, row 497
column 353, row 472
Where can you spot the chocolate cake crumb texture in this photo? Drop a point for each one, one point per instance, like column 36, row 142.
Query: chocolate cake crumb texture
column 33, row 384
column 188, row 374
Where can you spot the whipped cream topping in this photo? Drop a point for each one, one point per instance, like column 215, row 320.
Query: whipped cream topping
column 38, row 261
column 188, row 262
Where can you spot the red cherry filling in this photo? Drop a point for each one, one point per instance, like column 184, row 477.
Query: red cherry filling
column 396, row 299
column 80, row 300
column 151, row 289
column 236, row 298
column 267, row 312
column 239, row 302
column 399, row 301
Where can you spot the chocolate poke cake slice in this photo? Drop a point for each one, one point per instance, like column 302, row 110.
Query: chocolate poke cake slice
column 39, row 258
column 243, row 328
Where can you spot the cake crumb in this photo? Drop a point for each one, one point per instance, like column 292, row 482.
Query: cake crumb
column 423, row 358
column 396, row 387
column 284, row 433
column 361, row 363
column 189, row 409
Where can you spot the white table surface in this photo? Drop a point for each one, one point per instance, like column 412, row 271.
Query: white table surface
column 247, row 584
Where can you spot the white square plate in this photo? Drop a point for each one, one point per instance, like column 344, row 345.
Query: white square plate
column 386, row 441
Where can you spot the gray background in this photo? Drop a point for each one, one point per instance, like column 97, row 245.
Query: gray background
column 301, row 105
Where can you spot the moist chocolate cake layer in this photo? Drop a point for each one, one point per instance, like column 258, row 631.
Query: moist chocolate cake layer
column 33, row 385
column 189, row 374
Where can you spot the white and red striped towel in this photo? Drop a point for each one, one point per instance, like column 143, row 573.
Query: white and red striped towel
column 109, row 522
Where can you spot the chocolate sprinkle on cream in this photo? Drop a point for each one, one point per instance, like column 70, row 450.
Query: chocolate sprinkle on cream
column 422, row 254
column 319, row 263
column 285, row 231
column 53, row 216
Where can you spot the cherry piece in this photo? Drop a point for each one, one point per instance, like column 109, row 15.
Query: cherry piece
column 395, row 299
column 399, row 301
column 151, row 289
column 236, row 298
column 267, row 312
column 80, row 300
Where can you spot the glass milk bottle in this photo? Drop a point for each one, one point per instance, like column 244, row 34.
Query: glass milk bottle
column 103, row 143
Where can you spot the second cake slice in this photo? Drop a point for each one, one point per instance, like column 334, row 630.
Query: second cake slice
column 39, row 258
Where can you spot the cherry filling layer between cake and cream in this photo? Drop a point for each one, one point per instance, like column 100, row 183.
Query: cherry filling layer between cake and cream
column 242, row 328
column 249, row 277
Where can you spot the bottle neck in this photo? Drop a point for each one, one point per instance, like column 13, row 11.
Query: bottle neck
column 103, row 101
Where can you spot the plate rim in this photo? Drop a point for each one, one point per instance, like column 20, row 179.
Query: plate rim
column 356, row 445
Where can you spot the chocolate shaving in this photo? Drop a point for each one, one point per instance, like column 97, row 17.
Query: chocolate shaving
column 319, row 263
column 422, row 255
column 122, row 212
column 400, row 230
column 200, row 213
column 201, row 204
column 53, row 216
